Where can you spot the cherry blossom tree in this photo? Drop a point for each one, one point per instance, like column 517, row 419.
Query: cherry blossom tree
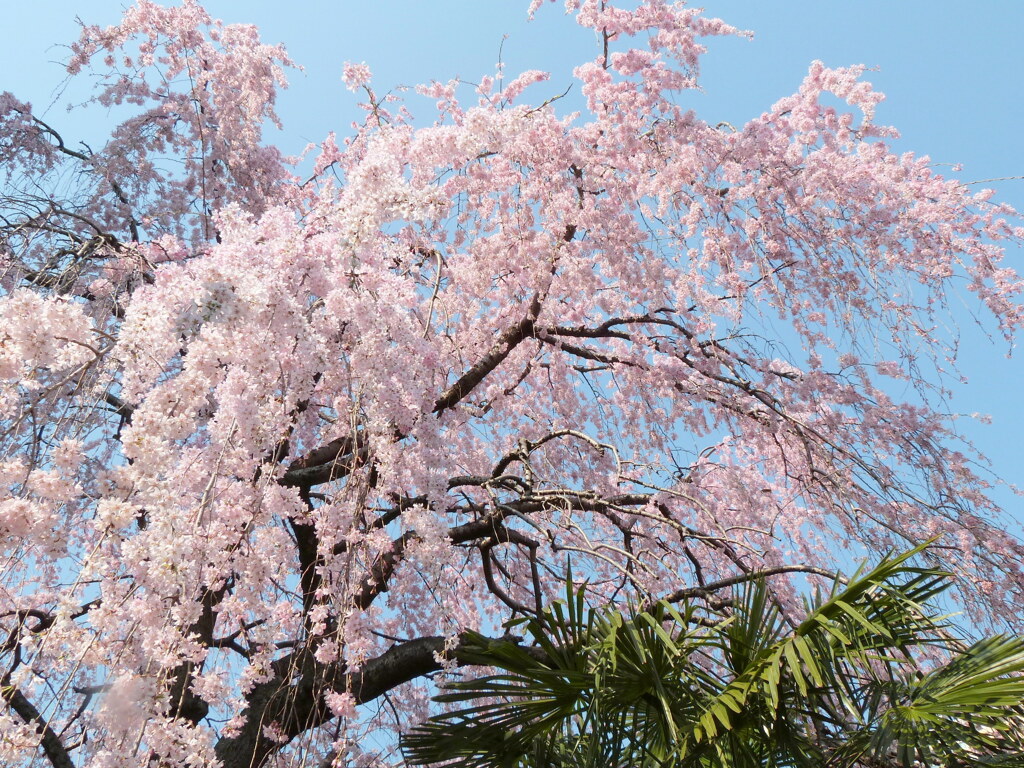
column 274, row 440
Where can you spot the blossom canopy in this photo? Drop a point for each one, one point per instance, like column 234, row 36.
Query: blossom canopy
column 274, row 441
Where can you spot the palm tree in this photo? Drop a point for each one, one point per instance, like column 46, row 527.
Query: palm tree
column 872, row 676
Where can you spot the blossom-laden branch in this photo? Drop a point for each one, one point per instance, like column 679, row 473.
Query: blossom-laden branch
column 50, row 741
column 271, row 448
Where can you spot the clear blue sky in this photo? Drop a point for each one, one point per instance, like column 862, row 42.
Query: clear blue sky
column 952, row 73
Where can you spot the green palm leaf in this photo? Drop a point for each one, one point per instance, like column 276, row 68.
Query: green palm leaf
column 658, row 687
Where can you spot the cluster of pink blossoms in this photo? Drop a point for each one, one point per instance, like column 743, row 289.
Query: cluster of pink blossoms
column 271, row 445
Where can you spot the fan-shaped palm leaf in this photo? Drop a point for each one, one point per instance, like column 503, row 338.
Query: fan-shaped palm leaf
column 659, row 687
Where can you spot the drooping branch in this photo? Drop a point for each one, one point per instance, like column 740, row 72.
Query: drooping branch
column 89, row 162
column 708, row 592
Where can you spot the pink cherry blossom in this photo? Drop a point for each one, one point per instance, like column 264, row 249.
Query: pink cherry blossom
column 272, row 445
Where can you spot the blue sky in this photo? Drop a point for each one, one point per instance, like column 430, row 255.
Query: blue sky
column 951, row 71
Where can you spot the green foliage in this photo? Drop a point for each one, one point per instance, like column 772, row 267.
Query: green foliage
column 872, row 676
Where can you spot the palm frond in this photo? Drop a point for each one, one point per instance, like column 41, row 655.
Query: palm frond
column 656, row 688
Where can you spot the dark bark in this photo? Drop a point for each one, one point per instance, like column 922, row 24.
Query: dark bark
column 51, row 743
column 509, row 339
column 183, row 702
column 333, row 461
column 294, row 699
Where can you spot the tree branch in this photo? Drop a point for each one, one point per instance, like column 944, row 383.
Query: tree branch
column 708, row 589
column 51, row 743
column 509, row 339
column 330, row 462
column 297, row 708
